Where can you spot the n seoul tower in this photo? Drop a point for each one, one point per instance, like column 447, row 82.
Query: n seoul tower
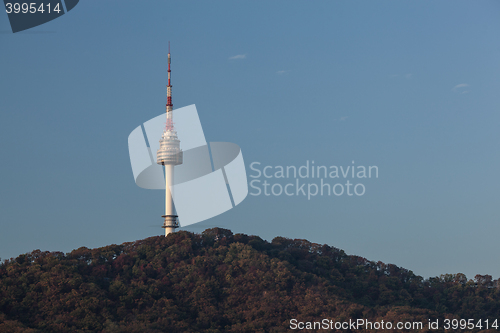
column 169, row 155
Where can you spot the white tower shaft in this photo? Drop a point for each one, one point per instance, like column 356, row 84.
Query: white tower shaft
column 169, row 198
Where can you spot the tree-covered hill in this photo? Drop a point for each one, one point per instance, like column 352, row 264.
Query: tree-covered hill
column 220, row 282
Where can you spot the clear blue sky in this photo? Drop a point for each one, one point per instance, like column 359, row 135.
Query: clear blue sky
column 410, row 86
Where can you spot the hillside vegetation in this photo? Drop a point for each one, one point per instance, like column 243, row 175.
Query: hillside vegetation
column 220, row 282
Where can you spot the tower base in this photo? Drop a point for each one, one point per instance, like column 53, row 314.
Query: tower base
column 170, row 223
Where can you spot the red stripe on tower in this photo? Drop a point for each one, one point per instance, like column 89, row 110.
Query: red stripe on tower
column 169, row 86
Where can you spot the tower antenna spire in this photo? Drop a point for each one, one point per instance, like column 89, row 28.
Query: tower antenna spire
column 169, row 92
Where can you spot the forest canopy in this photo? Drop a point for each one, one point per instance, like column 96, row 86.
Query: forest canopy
column 219, row 282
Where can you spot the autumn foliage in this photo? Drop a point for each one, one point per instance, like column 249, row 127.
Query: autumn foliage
column 220, row 282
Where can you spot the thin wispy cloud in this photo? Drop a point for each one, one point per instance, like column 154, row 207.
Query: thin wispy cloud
column 407, row 76
column 281, row 72
column 341, row 118
column 461, row 88
column 461, row 85
column 238, row 56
